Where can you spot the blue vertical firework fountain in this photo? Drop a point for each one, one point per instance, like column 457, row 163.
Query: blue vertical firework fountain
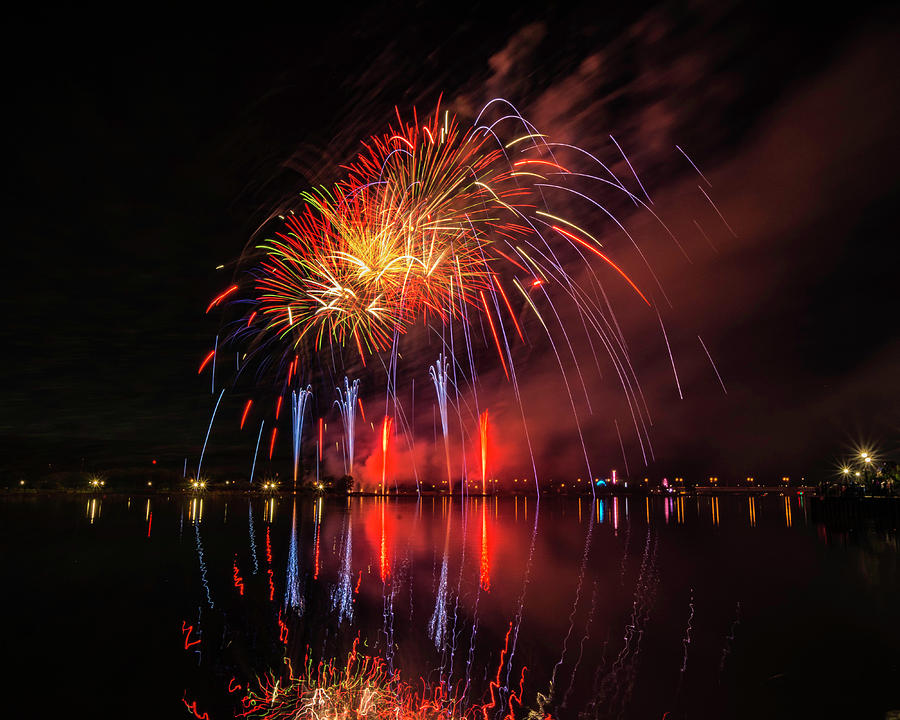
column 299, row 399
column 346, row 402
column 438, row 373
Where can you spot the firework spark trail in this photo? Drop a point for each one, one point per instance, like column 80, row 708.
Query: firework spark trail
column 671, row 359
column 464, row 475
column 346, row 403
column 299, row 398
column 715, row 369
column 721, row 217
column 706, row 237
column 293, row 598
column 252, row 538
column 678, row 148
column 255, row 452
column 622, row 366
column 206, row 440
column 630, row 167
column 627, row 234
column 613, row 340
column 622, row 446
column 587, row 460
column 212, row 388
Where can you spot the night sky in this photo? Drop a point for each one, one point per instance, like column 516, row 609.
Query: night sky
column 145, row 151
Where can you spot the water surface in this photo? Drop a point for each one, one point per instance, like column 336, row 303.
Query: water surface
column 699, row 607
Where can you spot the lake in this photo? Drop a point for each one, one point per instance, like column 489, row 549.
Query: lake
column 700, row 607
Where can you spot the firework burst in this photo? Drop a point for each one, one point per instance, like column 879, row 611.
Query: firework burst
column 457, row 231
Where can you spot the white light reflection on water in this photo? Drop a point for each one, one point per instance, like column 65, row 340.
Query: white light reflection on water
column 94, row 506
column 292, row 596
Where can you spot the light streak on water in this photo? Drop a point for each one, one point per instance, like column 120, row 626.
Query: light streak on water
column 252, row 538
column 520, row 605
column 342, row 594
column 729, row 639
column 584, row 639
column 613, row 691
column 437, row 625
column 292, row 596
column 547, row 699
column 317, row 524
column 93, row 509
column 199, row 547
column 686, row 643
